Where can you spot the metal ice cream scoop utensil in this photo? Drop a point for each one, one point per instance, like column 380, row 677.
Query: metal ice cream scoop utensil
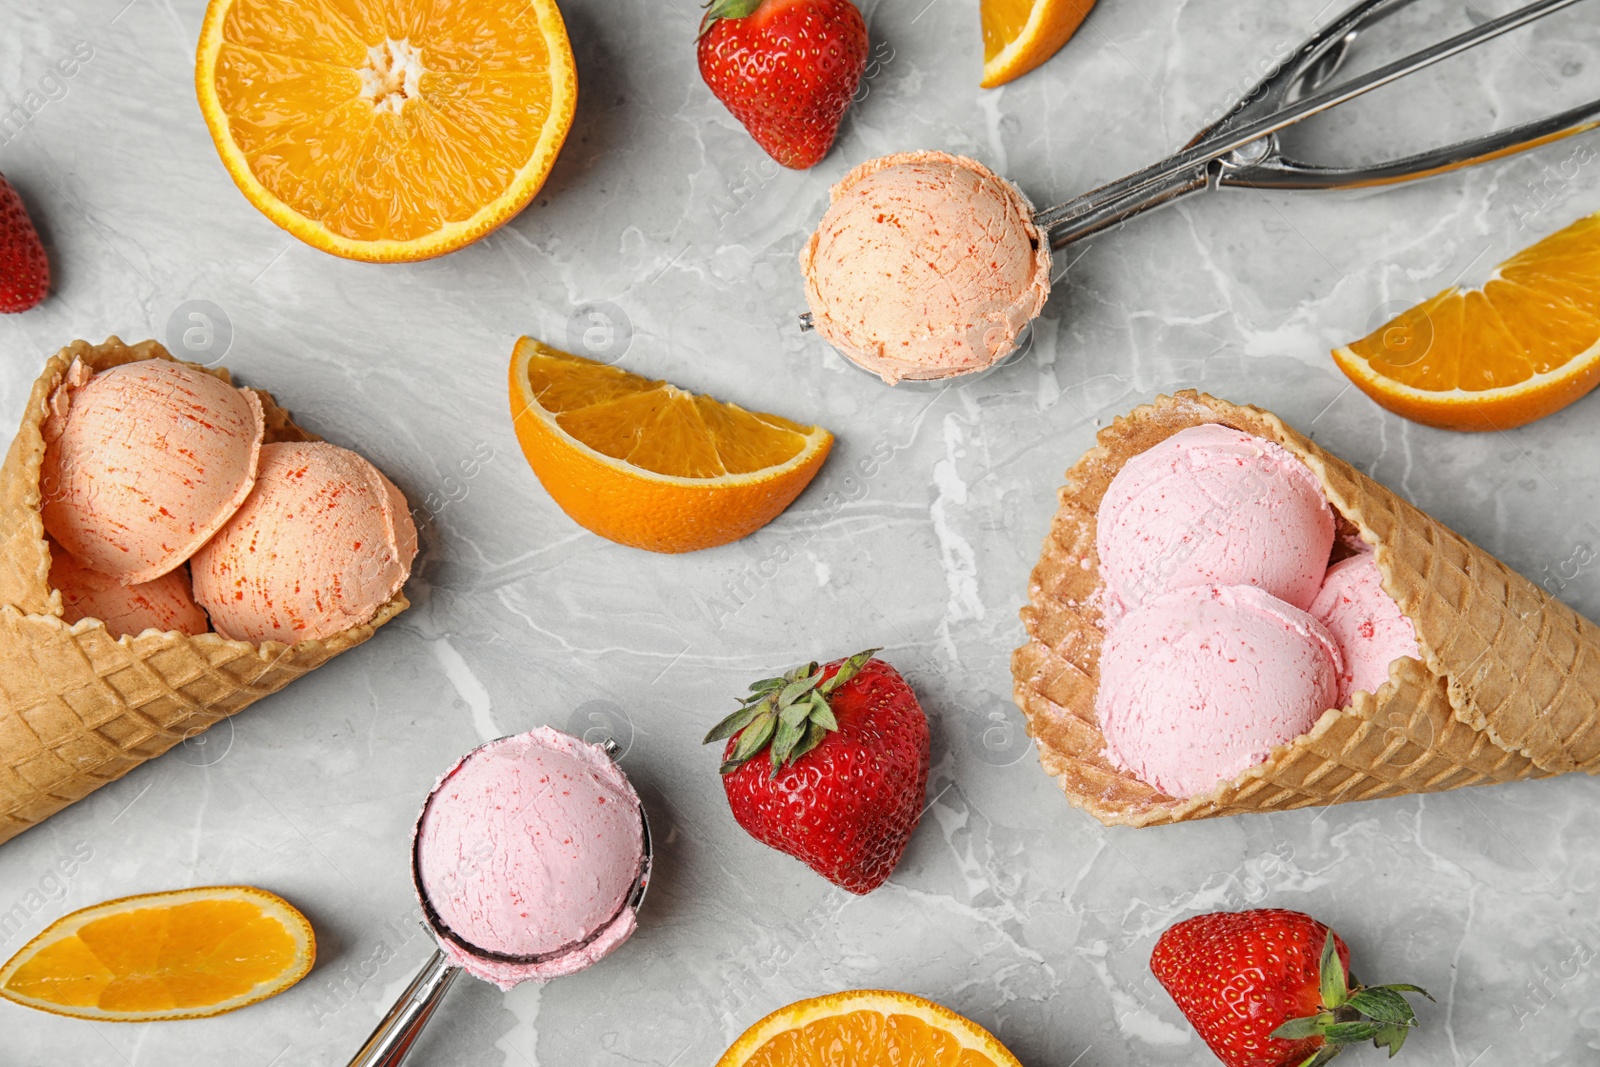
column 1242, row 148
column 398, row 1031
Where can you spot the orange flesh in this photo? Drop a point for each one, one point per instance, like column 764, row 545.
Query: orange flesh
column 1541, row 311
column 1003, row 21
column 320, row 102
column 866, row 1038
column 657, row 426
column 160, row 958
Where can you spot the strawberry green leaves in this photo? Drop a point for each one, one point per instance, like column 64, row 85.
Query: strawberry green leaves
column 1380, row 1014
column 1331, row 971
column 791, row 714
column 725, row 9
column 1386, row 1004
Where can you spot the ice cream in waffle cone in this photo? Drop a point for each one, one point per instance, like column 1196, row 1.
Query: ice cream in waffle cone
column 79, row 707
column 1507, row 686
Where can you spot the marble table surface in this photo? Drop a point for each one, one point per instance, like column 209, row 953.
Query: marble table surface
column 666, row 239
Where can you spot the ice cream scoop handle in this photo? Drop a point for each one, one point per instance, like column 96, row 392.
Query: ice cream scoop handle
column 399, row 1030
column 1242, row 147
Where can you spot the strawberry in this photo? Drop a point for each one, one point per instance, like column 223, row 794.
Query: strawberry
column 842, row 786
column 786, row 69
column 24, row 270
column 1263, row 990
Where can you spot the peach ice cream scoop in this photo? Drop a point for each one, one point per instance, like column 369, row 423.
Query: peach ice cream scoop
column 322, row 542
column 1200, row 684
column 925, row 265
column 163, row 603
column 143, row 463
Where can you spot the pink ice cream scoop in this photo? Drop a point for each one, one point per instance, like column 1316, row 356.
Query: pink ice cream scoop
column 1371, row 629
column 1198, row 685
column 925, row 265
column 143, row 463
column 529, row 857
column 322, row 543
column 164, row 603
column 1211, row 505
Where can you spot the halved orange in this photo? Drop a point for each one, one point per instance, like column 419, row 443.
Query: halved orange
column 647, row 464
column 1018, row 35
column 186, row 954
column 386, row 130
column 1523, row 346
column 866, row 1027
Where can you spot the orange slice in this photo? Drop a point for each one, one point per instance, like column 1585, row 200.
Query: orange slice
column 386, row 130
column 646, row 464
column 1524, row 345
column 181, row 955
column 1018, row 35
column 868, row 1028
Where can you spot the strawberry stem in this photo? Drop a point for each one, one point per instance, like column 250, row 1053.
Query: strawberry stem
column 716, row 10
column 1352, row 1014
column 790, row 713
column 1331, row 973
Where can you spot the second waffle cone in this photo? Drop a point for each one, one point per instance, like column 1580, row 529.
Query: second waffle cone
column 1508, row 687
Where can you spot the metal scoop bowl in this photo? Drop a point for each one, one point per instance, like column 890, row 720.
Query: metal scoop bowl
column 399, row 1029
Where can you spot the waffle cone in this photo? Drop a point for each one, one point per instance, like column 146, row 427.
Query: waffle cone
column 1508, row 686
column 79, row 708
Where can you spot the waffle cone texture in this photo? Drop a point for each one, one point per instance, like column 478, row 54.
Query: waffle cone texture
column 1508, row 686
column 79, row 708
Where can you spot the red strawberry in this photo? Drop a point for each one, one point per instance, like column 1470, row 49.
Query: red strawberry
column 1263, row 990
column 786, row 69
column 842, row 787
column 24, row 270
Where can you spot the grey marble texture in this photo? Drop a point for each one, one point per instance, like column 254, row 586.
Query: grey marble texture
column 1010, row 905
